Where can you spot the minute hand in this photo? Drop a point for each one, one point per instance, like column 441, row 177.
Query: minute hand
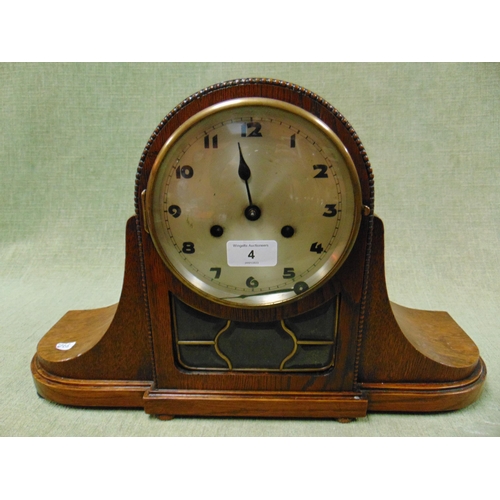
column 244, row 173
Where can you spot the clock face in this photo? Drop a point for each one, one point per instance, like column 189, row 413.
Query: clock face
column 253, row 202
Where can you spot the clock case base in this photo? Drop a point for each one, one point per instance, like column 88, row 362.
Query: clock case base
column 407, row 361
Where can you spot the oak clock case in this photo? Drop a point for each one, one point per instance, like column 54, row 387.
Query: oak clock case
column 254, row 279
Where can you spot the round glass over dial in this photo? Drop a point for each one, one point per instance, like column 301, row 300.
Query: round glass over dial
column 253, row 202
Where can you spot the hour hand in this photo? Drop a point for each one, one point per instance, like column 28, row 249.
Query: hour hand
column 252, row 212
column 244, row 173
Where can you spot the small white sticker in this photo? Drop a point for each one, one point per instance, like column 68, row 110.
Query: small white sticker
column 253, row 253
column 65, row 346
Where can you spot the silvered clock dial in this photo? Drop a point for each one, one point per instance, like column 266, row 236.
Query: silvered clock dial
column 253, row 202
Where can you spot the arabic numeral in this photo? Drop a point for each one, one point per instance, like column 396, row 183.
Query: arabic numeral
column 188, row 247
column 217, row 271
column 331, row 210
column 215, row 142
column 252, row 282
column 245, row 132
column 316, row 247
column 322, row 171
column 174, row 211
column 288, row 273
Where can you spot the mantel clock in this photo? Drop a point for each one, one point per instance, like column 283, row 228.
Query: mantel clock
column 254, row 279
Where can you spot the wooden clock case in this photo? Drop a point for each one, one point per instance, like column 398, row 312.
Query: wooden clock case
column 384, row 357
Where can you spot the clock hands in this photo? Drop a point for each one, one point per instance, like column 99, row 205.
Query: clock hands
column 261, row 293
column 298, row 288
column 244, row 173
column 252, row 212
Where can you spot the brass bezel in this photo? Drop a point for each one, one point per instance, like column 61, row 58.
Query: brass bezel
column 236, row 104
